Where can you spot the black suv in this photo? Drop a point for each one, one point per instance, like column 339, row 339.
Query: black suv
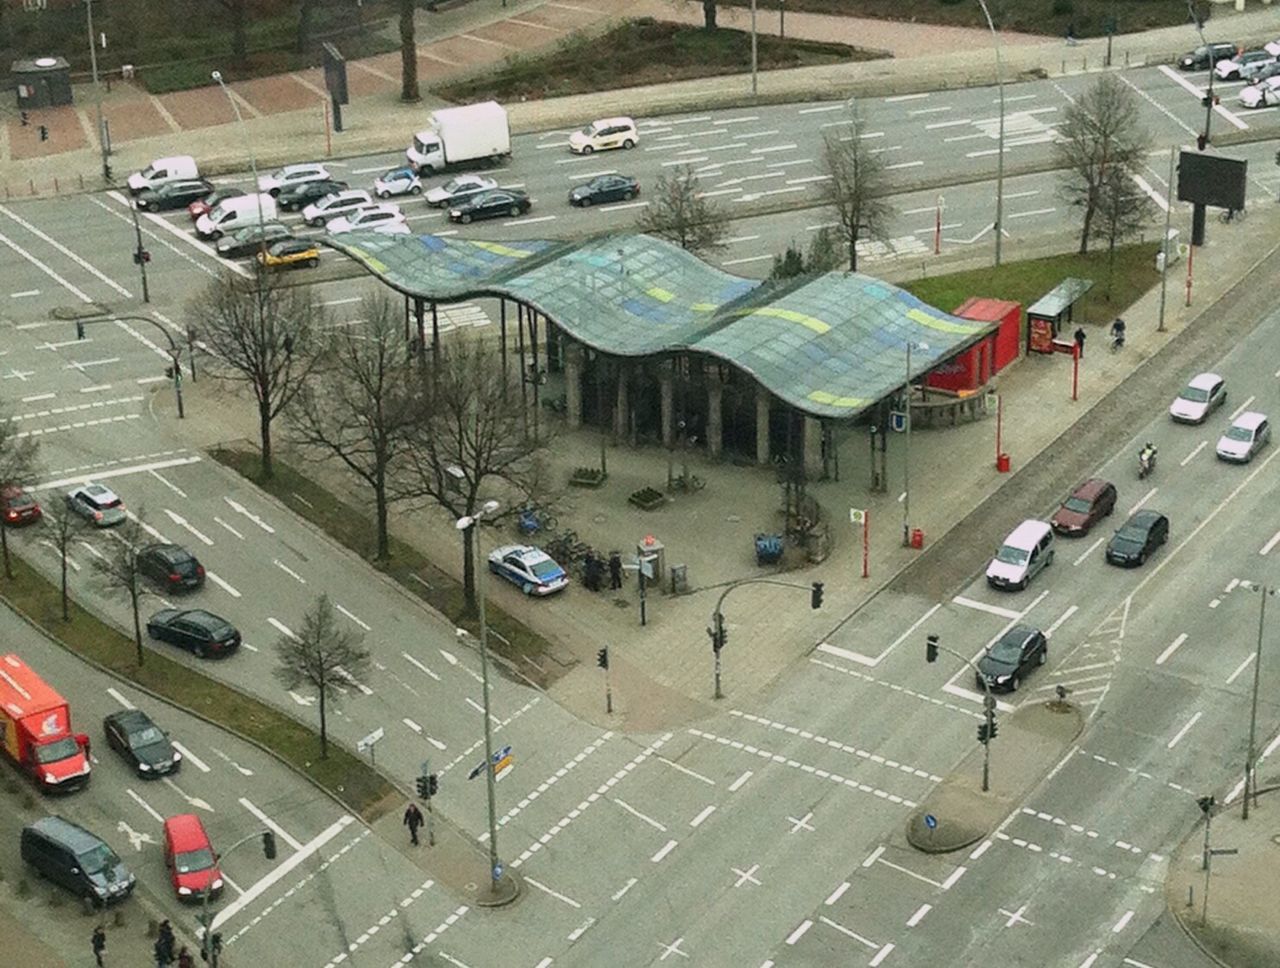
column 70, row 856
column 1014, row 654
column 171, row 566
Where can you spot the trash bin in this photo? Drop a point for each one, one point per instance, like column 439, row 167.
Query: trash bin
column 679, row 579
column 917, row 538
column 42, row 82
column 1002, row 463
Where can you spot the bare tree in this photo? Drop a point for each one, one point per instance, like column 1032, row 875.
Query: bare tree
column 680, row 213
column 17, row 466
column 1124, row 210
column 239, row 46
column 306, row 13
column 471, row 439
column 1099, row 134
column 408, row 53
column 360, row 405
column 322, row 656
column 259, row 333
column 822, row 257
column 856, row 187
column 64, row 525
column 118, row 566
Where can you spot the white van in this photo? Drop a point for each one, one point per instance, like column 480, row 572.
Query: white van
column 233, row 214
column 162, row 171
column 1027, row 550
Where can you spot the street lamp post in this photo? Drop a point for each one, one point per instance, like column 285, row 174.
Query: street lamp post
column 97, row 91
column 999, row 226
column 906, row 452
column 753, row 48
column 1250, row 775
column 468, row 525
column 248, row 142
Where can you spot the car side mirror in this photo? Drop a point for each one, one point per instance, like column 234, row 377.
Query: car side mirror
column 75, row 870
column 82, row 740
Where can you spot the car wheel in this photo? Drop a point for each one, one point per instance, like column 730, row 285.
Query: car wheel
column 515, row 211
column 274, row 193
column 587, row 149
column 527, row 588
column 628, row 144
column 464, row 218
column 312, row 263
column 628, row 195
column 151, row 633
column 1014, row 683
column 198, row 651
column 383, row 194
column 415, row 190
column 585, row 202
column 1048, row 560
column 1142, row 558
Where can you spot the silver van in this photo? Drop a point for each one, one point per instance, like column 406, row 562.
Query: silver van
column 1025, row 553
column 71, row 857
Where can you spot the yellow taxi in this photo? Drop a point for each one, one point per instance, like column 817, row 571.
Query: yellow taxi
column 290, row 254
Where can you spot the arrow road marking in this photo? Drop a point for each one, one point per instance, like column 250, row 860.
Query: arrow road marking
column 136, row 837
column 194, row 801
column 243, row 770
column 182, row 522
column 241, row 509
column 301, row 700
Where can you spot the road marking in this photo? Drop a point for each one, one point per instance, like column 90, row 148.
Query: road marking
column 1240, row 668
column 422, row 668
column 909, row 873
column 118, row 472
column 280, row 831
column 636, row 813
column 118, row 697
column 1266, row 548
column 665, row 849
column 556, row 894
column 904, row 97
column 169, row 484
column 802, row 823
column 24, row 294
column 954, row 876
column 1031, row 214
column 191, row 758
column 845, row 931
column 1183, row 732
column 73, row 565
column 282, row 628
column 222, row 583
column 1060, row 619
column 38, row 396
column 837, row 745
column 836, row 894
column 352, row 617
column 241, row 509
column 182, row 522
column 919, row 915
column 737, row 784
column 799, row 932
column 981, row 849
column 78, row 425
column 1191, row 456
column 706, row 812
column 1160, row 660
column 78, row 293
column 67, row 252
column 873, row 856
column 228, row 527
column 1143, row 500
column 984, row 607
column 1136, row 964
column 1124, row 919
column 281, row 871
column 287, row 570
column 686, row 771
column 144, row 805
column 747, row 876
column 1241, row 409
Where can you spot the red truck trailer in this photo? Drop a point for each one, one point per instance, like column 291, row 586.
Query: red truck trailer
column 35, row 730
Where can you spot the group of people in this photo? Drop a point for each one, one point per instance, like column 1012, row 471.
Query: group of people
column 593, row 572
column 165, row 954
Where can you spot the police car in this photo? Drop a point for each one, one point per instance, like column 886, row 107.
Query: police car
column 531, row 569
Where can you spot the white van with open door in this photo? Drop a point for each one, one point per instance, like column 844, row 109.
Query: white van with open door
column 162, row 171
column 233, row 214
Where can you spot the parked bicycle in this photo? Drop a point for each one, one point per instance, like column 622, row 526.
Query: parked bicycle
column 688, row 484
column 532, row 520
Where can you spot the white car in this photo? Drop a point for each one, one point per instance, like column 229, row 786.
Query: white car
column 367, row 218
column 97, row 504
column 1242, row 65
column 1261, row 95
column 291, row 175
column 456, row 189
column 1203, row 395
column 397, row 181
column 604, row 134
column 1247, row 435
column 1272, row 48
column 339, row 203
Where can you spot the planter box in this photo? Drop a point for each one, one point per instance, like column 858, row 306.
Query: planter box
column 587, row 477
column 647, row 499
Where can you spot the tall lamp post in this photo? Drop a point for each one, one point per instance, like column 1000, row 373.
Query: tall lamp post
column 1250, row 774
column 248, row 142
column 999, row 226
column 97, row 91
column 467, row 525
column 906, row 451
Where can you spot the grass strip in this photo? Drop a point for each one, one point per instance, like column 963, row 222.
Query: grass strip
column 352, row 528
column 346, row 776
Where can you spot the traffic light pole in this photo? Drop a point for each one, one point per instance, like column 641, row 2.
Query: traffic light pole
column 140, row 255
column 210, row 943
column 987, row 728
column 717, row 632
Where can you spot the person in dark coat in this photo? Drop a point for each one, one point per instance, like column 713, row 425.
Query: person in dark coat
column 592, row 572
column 1080, row 335
column 99, row 944
column 615, row 571
column 184, row 958
column 413, row 820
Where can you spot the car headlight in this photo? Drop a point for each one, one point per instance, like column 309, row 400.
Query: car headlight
column 100, row 890
column 1003, row 678
column 217, row 884
column 176, row 756
column 455, row 212
column 144, row 767
column 50, row 778
column 184, row 891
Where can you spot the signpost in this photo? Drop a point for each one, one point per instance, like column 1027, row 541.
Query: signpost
column 863, row 517
column 501, row 760
column 367, row 744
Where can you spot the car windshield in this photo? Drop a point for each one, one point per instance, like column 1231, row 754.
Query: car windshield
column 545, row 569
column 1239, row 433
column 18, row 501
column 193, row 860
column 1132, row 533
column 395, row 174
column 97, row 859
column 58, row 750
column 1077, row 504
column 146, row 737
column 458, row 184
column 1006, row 651
column 105, row 502
column 1195, row 395
column 1011, row 555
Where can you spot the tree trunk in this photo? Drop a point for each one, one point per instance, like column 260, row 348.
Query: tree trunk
column 4, row 543
column 853, row 254
column 709, row 14
column 305, row 9
column 469, row 571
column 66, row 611
column 380, row 505
column 324, row 726
column 239, row 47
column 408, row 54
column 1084, row 232
column 264, row 426
column 137, row 626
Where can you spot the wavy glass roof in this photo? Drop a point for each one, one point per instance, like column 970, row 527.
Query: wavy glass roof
column 830, row 345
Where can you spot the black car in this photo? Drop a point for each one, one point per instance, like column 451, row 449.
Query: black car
column 605, row 188
column 494, row 204
column 171, row 566
column 297, row 197
column 1013, row 655
column 1138, row 538
column 203, row 633
column 1206, row 56
column 252, row 238
column 133, row 735
column 178, row 194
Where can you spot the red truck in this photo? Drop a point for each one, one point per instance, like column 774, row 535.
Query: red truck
column 35, row 730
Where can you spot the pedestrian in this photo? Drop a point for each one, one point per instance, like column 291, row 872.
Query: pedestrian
column 1071, row 34
column 184, row 958
column 1080, row 335
column 615, row 571
column 165, row 942
column 592, row 568
column 99, row 944
column 413, row 820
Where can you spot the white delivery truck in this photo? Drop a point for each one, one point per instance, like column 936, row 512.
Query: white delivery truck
column 162, row 171
column 459, row 136
column 232, row 214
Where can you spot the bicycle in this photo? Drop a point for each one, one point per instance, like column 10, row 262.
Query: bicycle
column 1231, row 215
column 688, row 484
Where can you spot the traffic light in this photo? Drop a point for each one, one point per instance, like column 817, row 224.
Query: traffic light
column 25, row 118
column 931, row 648
column 44, row 132
column 995, row 727
column 815, row 597
column 433, row 785
column 424, row 787
column 140, row 256
column 269, row 845
column 984, row 734
column 1205, row 804
column 602, row 658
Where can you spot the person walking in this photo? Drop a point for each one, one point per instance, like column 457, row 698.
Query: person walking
column 1080, row 335
column 615, row 571
column 413, row 820
column 165, row 942
column 184, row 958
column 99, row 944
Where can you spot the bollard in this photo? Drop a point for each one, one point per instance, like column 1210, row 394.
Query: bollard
column 1126, row 58
column 1084, row 63
column 31, row 182
column 55, row 185
column 82, row 181
column 1064, row 66
column 1191, row 893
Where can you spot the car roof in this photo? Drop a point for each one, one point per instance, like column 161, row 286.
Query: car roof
column 186, row 832
column 1204, row 381
column 1091, row 488
column 1145, row 517
column 1249, row 420
column 201, row 617
column 1019, row 633
column 96, row 490
column 66, row 832
column 1028, row 532
column 605, row 122
column 131, row 720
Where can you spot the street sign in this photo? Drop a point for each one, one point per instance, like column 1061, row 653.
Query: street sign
column 498, row 757
column 857, row 515
column 366, row 744
column 898, row 420
column 497, row 871
column 931, row 821
column 646, row 565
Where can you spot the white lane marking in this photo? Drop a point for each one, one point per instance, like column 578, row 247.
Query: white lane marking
column 1144, row 499
column 1191, row 456
column 706, row 812
column 228, row 527
column 168, row 483
column 836, row 894
column 118, row 697
column 118, row 472
column 38, row 396
column 737, row 784
column 24, row 294
column 352, row 617
column 1088, row 551
column 280, row 831
column 1124, row 919
column 422, row 668
column 281, row 871
column 341, row 302
column 873, row 856
column 954, row 876
column 49, row 240
column 909, row 873
column 281, row 627
column 981, row 849
column 685, row 770
column 79, row 294
column 881, row 954
column 849, row 654
column 78, row 425
column 1241, row 409
column 656, row 825
column 1032, row 213
column 191, row 758
column 71, row 563
column 288, row 571
column 1160, row 660
column 984, row 607
column 241, row 509
column 916, row 918
column 1240, row 668
column 621, row 892
column 1183, row 732
column 846, row 931
column 221, row 583
column 145, row 806
column 1134, row 963
column 1161, row 202
column 556, row 894
column 799, row 932
column 1266, row 548
column 904, row 97
column 665, row 849
column 1060, row 619
column 182, row 522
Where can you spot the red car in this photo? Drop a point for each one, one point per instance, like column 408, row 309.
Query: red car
column 205, row 205
column 18, row 507
column 193, row 866
column 1088, row 504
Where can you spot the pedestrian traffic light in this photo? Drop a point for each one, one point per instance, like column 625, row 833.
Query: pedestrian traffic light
column 44, row 132
column 140, row 256
column 424, row 787
column 269, row 845
column 1205, row 804
column 931, row 648
column 433, row 785
column 995, row 727
column 815, row 597
column 25, row 118
column 602, row 658
column 983, row 733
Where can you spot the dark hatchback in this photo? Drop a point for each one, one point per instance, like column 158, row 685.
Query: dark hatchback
column 201, row 633
column 297, row 197
column 1206, row 56
column 1138, row 538
column 494, row 204
column 177, row 194
column 1014, row 654
column 18, row 507
column 142, row 743
column 605, row 188
column 251, row 238
column 1086, row 506
column 171, row 566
